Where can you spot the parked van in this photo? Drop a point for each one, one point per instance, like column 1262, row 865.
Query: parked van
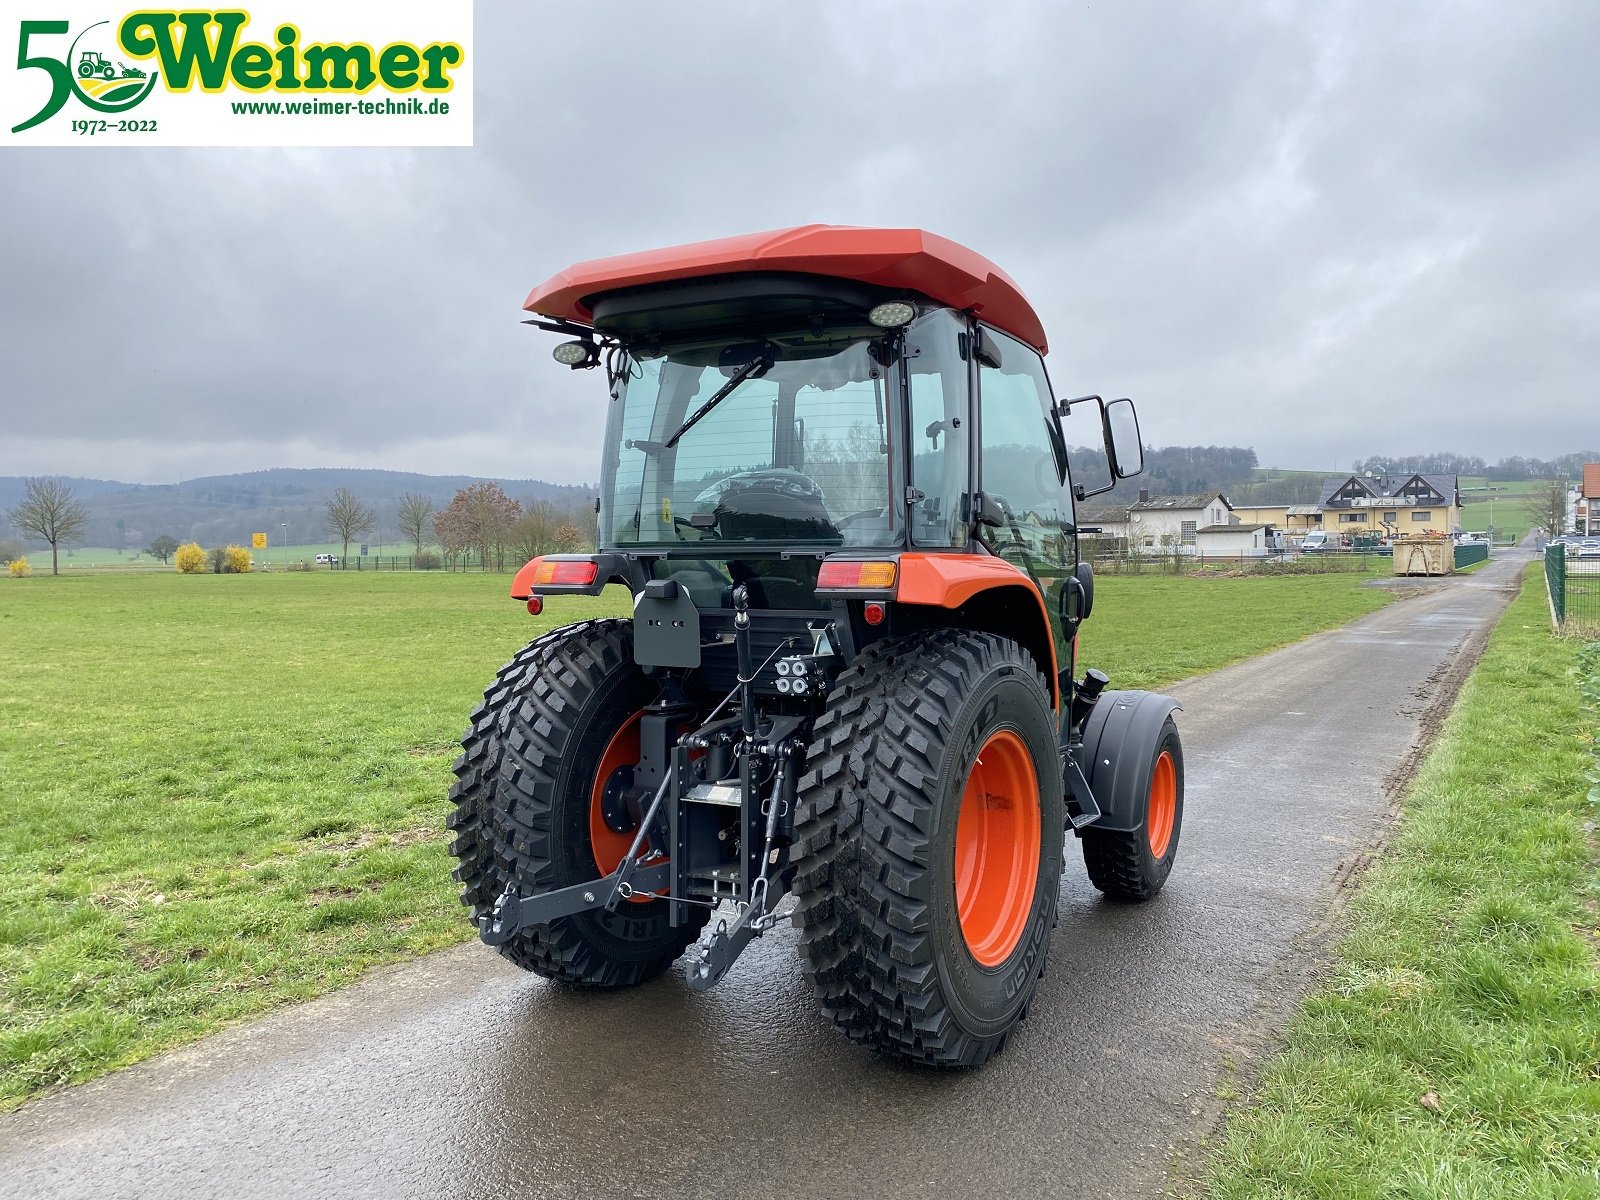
column 1319, row 539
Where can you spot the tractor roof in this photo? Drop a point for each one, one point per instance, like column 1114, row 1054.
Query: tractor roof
column 909, row 260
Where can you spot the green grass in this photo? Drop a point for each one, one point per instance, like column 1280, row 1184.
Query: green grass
column 1468, row 976
column 226, row 792
column 1149, row 630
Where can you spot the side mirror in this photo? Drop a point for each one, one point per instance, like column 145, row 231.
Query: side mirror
column 1124, row 447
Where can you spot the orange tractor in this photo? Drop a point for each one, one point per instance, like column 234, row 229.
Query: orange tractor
column 835, row 482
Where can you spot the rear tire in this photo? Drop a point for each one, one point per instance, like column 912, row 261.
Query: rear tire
column 523, row 798
column 1134, row 865
column 926, row 874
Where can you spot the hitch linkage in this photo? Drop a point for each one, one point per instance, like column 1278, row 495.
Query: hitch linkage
column 777, row 749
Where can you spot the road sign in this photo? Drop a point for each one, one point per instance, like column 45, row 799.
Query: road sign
column 258, row 541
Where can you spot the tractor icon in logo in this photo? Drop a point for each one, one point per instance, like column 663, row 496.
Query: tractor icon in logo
column 104, row 84
column 95, row 63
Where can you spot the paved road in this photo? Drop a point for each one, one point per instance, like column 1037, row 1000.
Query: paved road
column 459, row 1076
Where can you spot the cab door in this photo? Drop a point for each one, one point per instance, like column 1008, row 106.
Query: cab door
column 1024, row 506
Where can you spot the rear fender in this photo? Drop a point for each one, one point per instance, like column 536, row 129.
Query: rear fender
column 971, row 591
column 1119, row 740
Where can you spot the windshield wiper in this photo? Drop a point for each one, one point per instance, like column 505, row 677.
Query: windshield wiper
column 754, row 369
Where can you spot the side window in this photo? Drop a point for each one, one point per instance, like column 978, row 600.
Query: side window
column 938, row 433
column 1023, row 461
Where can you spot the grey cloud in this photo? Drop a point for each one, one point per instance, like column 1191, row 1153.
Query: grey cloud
column 1325, row 231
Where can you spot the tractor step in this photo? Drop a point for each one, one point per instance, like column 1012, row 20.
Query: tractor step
column 1082, row 808
column 727, row 795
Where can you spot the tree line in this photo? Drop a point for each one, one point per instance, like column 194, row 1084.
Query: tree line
column 1568, row 466
column 481, row 519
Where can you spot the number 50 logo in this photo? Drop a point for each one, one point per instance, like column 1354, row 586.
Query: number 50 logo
column 90, row 71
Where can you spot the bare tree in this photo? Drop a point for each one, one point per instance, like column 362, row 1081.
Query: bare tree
column 534, row 531
column 416, row 517
column 49, row 513
column 348, row 519
column 479, row 517
column 1547, row 505
column 162, row 547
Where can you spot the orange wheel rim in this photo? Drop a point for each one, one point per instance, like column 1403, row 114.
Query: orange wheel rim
column 1163, row 809
column 997, row 848
column 608, row 845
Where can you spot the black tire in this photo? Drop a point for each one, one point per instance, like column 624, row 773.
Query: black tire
column 881, row 935
column 522, row 798
column 1126, row 866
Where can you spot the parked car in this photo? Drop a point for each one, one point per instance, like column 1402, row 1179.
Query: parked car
column 1588, row 548
column 329, row 559
column 1319, row 539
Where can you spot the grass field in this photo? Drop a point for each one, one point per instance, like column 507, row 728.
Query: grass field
column 1455, row 1049
column 226, row 792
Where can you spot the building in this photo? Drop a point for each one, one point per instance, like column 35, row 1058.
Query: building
column 1391, row 504
column 1111, row 522
column 1162, row 521
column 1586, row 512
column 1302, row 519
column 1244, row 540
column 1276, row 515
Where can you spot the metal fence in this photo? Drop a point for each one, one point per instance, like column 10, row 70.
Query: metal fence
column 1574, row 590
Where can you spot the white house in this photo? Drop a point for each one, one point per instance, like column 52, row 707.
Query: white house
column 1157, row 521
column 1232, row 541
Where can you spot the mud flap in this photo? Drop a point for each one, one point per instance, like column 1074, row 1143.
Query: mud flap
column 1115, row 758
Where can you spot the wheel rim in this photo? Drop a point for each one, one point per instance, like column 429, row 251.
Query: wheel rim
column 997, row 848
column 1163, row 808
column 608, row 845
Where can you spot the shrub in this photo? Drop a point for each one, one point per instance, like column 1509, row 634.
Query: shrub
column 190, row 559
column 299, row 564
column 12, row 549
column 19, row 568
column 236, row 560
column 426, row 561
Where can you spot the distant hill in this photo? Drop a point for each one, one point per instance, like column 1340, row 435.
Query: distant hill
column 227, row 508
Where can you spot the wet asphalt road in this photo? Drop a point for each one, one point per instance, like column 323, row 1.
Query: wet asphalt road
column 460, row 1076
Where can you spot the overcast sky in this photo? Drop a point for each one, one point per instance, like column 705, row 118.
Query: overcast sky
column 1324, row 230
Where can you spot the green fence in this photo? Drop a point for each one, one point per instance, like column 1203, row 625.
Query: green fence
column 1574, row 589
column 1467, row 555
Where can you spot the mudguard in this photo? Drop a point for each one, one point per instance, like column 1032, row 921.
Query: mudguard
column 1118, row 744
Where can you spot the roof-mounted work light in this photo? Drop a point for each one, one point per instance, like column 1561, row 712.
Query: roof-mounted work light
column 576, row 354
column 892, row 314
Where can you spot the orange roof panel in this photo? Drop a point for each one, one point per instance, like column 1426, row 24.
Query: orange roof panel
column 1591, row 479
column 902, row 259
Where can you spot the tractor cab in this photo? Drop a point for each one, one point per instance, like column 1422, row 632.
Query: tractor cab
column 890, row 400
column 835, row 483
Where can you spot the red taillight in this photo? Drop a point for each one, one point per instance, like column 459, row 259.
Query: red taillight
column 535, row 605
column 874, row 613
column 557, row 572
column 870, row 574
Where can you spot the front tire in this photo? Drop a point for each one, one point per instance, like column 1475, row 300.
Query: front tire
column 928, row 846
column 1134, row 865
column 528, row 784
